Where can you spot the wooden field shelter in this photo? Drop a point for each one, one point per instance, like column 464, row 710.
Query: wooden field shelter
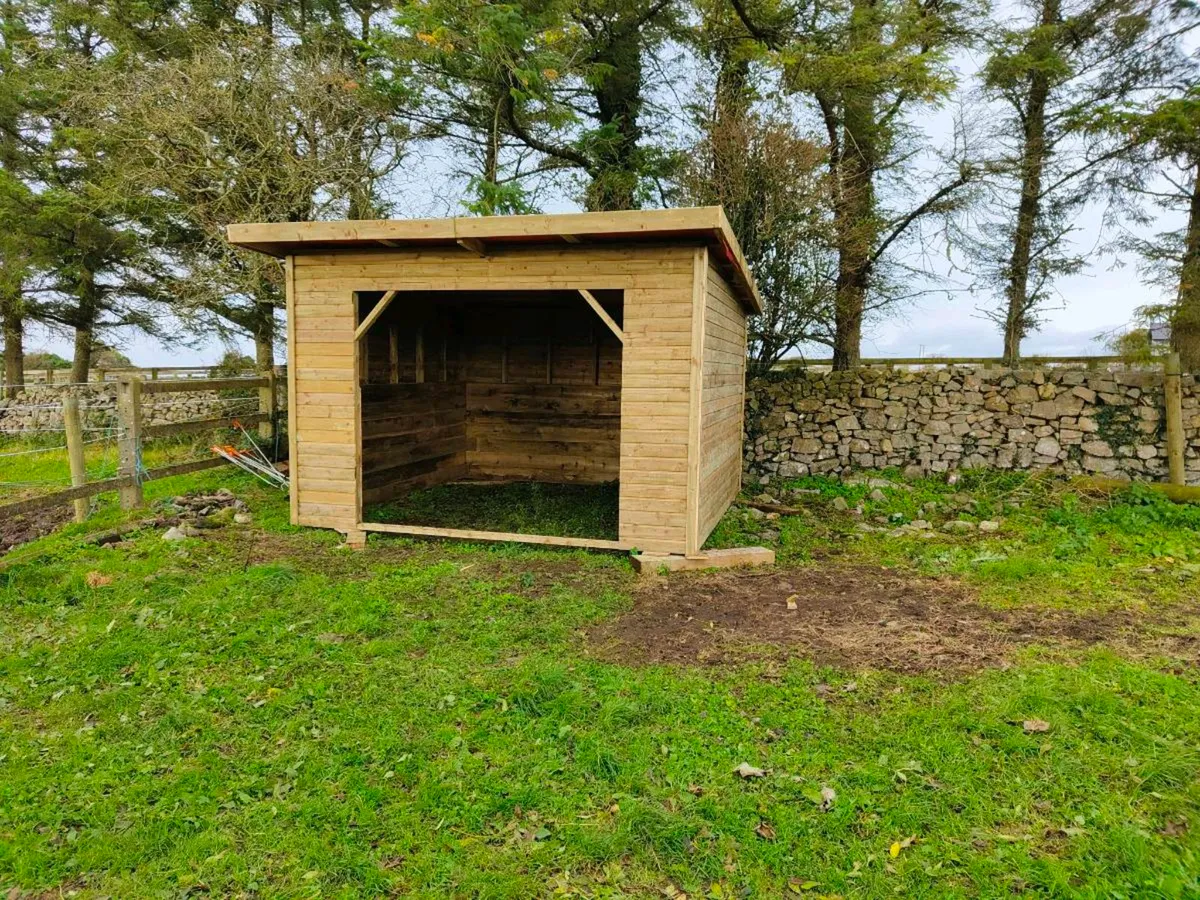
column 590, row 347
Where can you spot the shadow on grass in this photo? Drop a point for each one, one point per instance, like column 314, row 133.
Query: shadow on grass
column 562, row 510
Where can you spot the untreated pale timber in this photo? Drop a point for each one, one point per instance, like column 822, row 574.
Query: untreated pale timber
column 475, row 245
column 603, row 314
column 652, row 563
column 73, row 427
column 374, row 314
column 466, row 534
column 1173, row 398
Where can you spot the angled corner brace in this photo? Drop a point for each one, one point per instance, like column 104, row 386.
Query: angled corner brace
column 599, row 310
column 374, row 314
column 475, row 245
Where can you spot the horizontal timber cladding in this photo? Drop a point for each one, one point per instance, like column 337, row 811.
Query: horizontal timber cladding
column 721, row 402
column 323, row 418
column 655, row 411
column 543, row 432
column 547, row 392
column 413, row 435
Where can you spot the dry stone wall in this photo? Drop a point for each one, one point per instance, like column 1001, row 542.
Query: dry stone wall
column 39, row 408
column 1108, row 422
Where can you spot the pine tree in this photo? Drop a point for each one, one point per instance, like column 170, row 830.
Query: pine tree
column 1071, row 59
column 867, row 66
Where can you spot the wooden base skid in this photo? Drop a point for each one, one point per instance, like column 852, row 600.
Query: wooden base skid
column 652, row 563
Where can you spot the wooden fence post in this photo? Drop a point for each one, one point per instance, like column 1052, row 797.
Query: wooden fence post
column 1173, row 398
column 73, row 427
column 267, row 404
column 129, row 445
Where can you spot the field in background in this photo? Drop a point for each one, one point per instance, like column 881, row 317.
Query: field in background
column 260, row 712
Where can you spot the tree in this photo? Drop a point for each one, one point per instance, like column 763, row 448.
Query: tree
column 770, row 178
column 15, row 249
column 867, row 66
column 1053, row 73
column 91, row 271
column 241, row 130
column 1166, row 170
column 563, row 82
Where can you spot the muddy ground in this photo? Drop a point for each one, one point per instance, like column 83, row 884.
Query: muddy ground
column 864, row 617
column 16, row 530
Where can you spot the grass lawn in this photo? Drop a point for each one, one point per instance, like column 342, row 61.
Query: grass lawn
column 260, row 713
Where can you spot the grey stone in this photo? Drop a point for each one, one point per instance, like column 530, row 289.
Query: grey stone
column 959, row 525
column 1097, row 448
column 1047, row 446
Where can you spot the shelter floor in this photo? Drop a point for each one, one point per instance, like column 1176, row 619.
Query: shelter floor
column 524, row 507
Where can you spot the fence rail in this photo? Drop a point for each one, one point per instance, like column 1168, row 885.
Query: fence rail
column 133, row 433
column 888, row 361
column 986, row 361
column 62, row 377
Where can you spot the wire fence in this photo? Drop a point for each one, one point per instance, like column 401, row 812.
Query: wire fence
column 27, row 467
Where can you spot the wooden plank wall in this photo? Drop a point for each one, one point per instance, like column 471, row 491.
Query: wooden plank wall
column 557, row 433
column 656, row 406
column 658, row 284
column 413, row 435
column 322, row 398
column 721, row 402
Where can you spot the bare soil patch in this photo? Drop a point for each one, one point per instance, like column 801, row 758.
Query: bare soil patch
column 863, row 617
column 21, row 529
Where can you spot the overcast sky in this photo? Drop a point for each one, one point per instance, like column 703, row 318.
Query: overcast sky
column 1100, row 299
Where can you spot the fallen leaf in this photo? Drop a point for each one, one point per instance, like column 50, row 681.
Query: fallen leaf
column 95, row 579
column 695, row 790
column 796, row 885
column 1032, row 725
column 894, row 850
column 748, row 771
column 765, row 831
column 791, row 601
column 330, row 638
column 828, row 795
column 1174, row 828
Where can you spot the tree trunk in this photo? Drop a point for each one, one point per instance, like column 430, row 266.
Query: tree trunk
column 1185, row 324
column 264, row 338
column 856, row 225
column 1033, row 163
column 619, row 99
column 14, row 349
column 85, row 327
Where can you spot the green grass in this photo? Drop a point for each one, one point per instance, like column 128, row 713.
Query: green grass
column 263, row 714
column 1053, row 544
column 563, row 510
column 31, row 466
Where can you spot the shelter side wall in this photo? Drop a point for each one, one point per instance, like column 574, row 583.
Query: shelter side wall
column 656, row 411
column 413, row 435
column 323, row 401
column 543, row 432
column 722, row 402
